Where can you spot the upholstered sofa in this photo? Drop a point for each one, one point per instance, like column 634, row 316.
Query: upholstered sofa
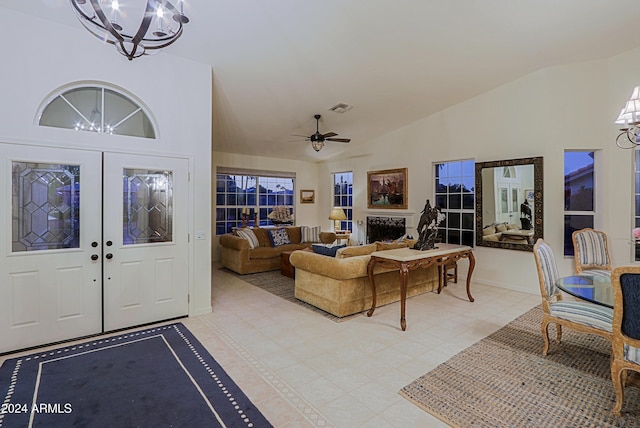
column 243, row 256
column 340, row 285
column 493, row 232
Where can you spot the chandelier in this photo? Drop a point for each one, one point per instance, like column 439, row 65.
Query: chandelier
column 630, row 118
column 133, row 29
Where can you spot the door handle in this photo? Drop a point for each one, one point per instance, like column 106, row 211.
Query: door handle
column 94, row 257
column 109, row 256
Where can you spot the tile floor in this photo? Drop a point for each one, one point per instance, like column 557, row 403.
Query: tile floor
column 303, row 370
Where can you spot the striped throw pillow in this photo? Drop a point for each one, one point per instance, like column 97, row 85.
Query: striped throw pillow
column 249, row 236
column 310, row 234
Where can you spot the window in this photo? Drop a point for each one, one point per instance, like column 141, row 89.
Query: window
column 343, row 197
column 254, row 193
column 97, row 109
column 579, row 208
column 455, row 196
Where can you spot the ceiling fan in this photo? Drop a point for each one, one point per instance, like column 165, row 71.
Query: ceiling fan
column 317, row 139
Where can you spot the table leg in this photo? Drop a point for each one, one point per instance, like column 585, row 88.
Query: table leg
column 442, row 271
column 404, row 273
column 370, row 267
column 472, row 264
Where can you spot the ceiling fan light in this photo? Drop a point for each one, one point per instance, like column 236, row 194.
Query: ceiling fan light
column 317, row 145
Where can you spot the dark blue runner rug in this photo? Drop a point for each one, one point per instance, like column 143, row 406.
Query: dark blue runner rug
column 160, row 377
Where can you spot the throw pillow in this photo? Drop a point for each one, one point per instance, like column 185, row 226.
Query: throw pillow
column 327, row 249
column 382, row 246
column 248, row 235
column 279, row 237
column 310, row 234
column 356, row 250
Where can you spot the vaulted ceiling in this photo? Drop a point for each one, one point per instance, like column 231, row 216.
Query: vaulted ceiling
column 277, row 63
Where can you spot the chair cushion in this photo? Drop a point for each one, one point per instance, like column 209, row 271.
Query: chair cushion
column 591, row 248
column 605, row 274
column 588, row 314
column 632, row 354
column 549, row 268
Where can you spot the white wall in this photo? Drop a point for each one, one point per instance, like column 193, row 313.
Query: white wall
column 542, row 114
column 177, row 92
column 306, row 178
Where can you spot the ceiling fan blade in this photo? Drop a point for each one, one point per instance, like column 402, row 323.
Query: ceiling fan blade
column 298, row 135
column 329, row 134
column 339, row 140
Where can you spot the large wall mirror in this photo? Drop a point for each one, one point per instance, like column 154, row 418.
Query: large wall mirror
column 509, row 210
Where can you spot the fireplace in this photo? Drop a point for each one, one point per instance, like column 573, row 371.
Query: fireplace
column 385, row 228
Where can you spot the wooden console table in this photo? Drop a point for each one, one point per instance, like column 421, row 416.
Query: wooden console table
column 406, row 259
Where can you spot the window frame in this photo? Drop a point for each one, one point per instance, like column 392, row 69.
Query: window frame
column 102, row 87
column 446, row 233
column 340, row 197
column 593, row 214
column 229, row 215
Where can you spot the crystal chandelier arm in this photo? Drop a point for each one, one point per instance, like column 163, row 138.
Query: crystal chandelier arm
column 144, row 25
column 106, row 24
column 631, row 135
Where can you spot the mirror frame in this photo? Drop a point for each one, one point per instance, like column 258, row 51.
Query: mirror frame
column 537, row 204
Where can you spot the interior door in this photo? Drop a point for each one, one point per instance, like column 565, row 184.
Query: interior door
column 145, row 239
column 50, row 251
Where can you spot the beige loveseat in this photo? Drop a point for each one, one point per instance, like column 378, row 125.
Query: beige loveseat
column 339, row 285
column 493, row 232
column 240, row 258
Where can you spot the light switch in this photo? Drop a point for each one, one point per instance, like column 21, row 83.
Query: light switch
column 201, row 235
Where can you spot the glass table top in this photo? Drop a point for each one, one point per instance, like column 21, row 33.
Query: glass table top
column 591, row 288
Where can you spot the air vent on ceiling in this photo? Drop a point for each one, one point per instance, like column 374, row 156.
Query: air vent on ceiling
column 341, row 108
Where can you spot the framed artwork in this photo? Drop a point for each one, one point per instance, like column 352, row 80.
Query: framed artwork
column 387, row 189
column 307, row 196
column 529, row 195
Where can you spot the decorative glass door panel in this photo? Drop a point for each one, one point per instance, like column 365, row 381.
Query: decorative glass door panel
column 45, row 206
column 50, row 256
column 146, row 239
column 148, row 206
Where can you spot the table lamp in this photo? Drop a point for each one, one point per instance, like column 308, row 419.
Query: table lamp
column 337, row 215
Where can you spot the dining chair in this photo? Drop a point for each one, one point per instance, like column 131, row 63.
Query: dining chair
column 580, row 316
column 625, row 281
column 591, row 251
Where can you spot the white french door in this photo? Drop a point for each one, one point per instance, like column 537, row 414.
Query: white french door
column 76, row 260
column 508, row 203
column 146, row 251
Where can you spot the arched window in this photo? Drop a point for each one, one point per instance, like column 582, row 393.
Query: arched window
column 97, row 109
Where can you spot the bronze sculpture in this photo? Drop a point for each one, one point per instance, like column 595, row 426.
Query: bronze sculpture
column 428, row 227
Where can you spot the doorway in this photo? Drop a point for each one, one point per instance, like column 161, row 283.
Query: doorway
column 93, row 242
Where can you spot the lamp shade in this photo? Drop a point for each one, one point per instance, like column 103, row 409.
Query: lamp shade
column 631, row 111
column 337, row 214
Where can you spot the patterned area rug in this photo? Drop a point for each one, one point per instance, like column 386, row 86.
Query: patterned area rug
column 504, row 381
column 158, row 377
column 284, row 287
